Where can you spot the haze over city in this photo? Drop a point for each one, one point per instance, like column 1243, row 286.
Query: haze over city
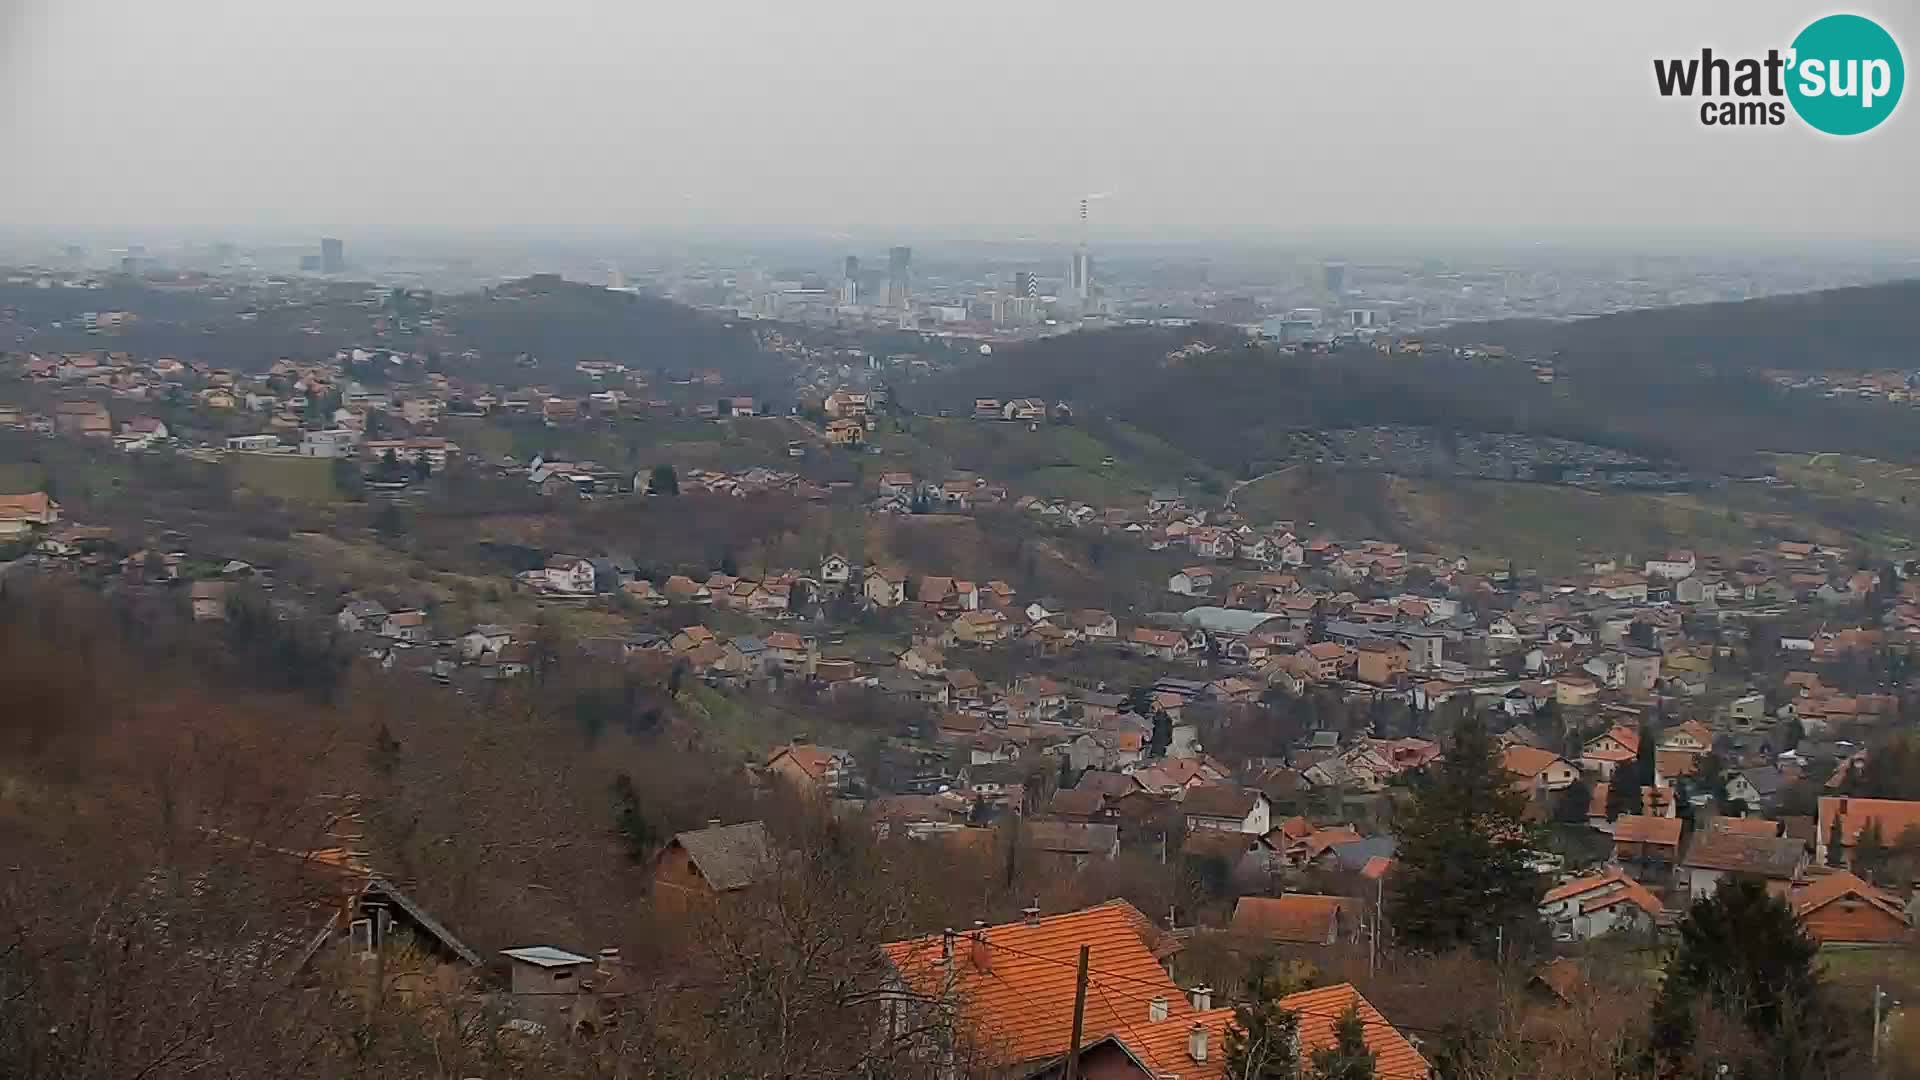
column 1514, row 120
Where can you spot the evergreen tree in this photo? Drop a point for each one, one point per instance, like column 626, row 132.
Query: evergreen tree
column 1836, row 850
column 1870, row 850
column 1260, row 1038
column 664, row 481
column 1571, row 807
column 1349, row 1057
column 1743, row 952
column 1162, row 736
column 1465, row 848
column 631, row 820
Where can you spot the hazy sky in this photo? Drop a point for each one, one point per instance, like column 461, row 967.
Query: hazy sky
column 1516, row 113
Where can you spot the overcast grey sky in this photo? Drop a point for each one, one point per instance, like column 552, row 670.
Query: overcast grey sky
column 1512, row 113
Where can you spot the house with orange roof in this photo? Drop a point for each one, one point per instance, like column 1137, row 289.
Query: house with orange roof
column 1607, row 752
column 1838, row 908
column 1648, row 845
column 1012, row 991
column 1692, row 737
column 812, row 770
column 1588, row 907
column 1296, row 919
column 21, row 513
column 1844, row 818
column 1540, row 771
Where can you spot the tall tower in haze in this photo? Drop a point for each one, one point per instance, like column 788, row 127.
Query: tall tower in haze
column 333, row 255
column 899, row 275
column 850, row 282
column 1080, row 269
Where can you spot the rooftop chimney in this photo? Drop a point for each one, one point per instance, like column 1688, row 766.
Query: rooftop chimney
column 946, row 945
column 1157, row 1010
column 982, row 951
column 713, row 823
column 1197, row 1042
column 1031, row 915
column 1201, row 998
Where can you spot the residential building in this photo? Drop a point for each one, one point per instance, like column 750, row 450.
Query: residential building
column 1838, row 908
column 20, row 514
column 1136, row 1024
column 816, row 770
column 1844, row 818
column 1713, row 854
column 569, row 574
column 707, row 863
column 1228, row 807
column 1296, row 919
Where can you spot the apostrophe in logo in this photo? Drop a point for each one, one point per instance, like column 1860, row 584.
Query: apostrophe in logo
column 1842, row 75
column 1846, row 74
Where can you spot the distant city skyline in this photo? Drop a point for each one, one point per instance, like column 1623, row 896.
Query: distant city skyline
column 1501, row 118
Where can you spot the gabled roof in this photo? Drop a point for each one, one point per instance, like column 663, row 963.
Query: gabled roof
column 729, row 856
column 1733, row 852
column 1838, row 885
column 1220, row 801
column 1582, row 886
column 1015, row 984
column 1630, row 892
column 1297, row 918
column 1895, row 816
column 1641, row 829
column 1528, row 761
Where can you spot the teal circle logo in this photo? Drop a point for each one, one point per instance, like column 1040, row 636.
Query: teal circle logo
column 1846, row 74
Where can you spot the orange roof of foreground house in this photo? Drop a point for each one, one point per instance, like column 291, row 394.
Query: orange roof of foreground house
column 1394, row 1058
column 1018, row 990
column 1300, row 918
column 1015, row 983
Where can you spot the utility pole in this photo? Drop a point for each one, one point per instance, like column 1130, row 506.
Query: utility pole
column 1079, row 1015
column 1878, row 997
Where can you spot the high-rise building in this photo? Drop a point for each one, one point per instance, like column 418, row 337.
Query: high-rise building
column 333, row 255
column 1335, row 274
column 850, row 292
column 1025, row 284
column 899, row 276
column 1080, row 275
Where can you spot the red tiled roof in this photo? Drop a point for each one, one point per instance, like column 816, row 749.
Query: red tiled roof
column 1641, row 829
column 1895, row 816
column 1296, row 918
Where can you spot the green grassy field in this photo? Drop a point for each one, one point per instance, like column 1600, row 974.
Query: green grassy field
column 283, row 476
column 1539, row 525
column 1053, row 460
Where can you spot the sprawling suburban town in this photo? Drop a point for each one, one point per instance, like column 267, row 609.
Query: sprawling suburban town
column 1132, row 709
